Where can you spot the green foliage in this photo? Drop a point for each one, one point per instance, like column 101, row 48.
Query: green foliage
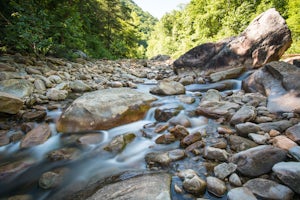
column 203, row 21
column 100, row 28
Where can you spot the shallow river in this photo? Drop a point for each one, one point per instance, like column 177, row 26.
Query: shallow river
column 92, row 164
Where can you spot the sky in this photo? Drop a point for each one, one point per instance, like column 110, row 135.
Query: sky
column 158, row 8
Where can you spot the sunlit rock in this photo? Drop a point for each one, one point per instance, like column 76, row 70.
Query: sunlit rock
column 9, row 103
column 256, row 45
column 104, row 109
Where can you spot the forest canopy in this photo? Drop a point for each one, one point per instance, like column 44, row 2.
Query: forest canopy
column 120, row 29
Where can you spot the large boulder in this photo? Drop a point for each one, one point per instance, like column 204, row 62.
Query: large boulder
column 264, row 40
column 148, row 187
column 279, row 82
column 10, row 103
column 104, row 109
column 258, row 160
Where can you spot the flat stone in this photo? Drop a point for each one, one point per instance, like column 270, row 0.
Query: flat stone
column 37, row 136
column 12, row 169
column 147, row 187
column 168, row 88
column 289, row 174
column 34, row 115
column 104, row 109
column 240, row 193
column 226, row 74
column 258, row 160
column 9, row 103
column 268, row 189
column 279, row 125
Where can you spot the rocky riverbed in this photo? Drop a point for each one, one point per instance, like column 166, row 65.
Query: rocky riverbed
column 101, row 129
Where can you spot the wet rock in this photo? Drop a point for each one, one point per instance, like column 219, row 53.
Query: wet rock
column 294, row 133
column 258, row 160
column 186, row 99
column 4, row 139
column 179, row 132
column 215, row 154
column 151, row 186
column 67, row 154
column 240, row 193
column 195, row 146
column 224, row 169
column 9, row 103
column 17, row 87
column 259, row 139
column 56, row 95
column 21, row 197
column 16, row 137
column 244, row 114
column 50, row 180
column 245, row 128
column 289, row 174
column 168, row 88
column 219, row 143
column 227, row 74
column 187, row 80
column 14, row 168
column 225, row 130
column 37, row 136
column 165, row 139
column 180, row 119
column 176, row 154
column 28, row 126
column 79, row 86
column 268, row 189
column 92, row 138
column 252, row 48
column 34, row 115
column 158, row 159
column 192, row 183
column 119, row 143
column 295, row 152
column 190, row 139
column 283, row 142
column 235, row 180
column 161, row 128
column 238, row 143
column 166, row 112
column 104, row 109
column 216, row 186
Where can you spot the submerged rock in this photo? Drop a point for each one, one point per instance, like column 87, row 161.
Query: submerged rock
column 104, row 109
column 256, row 45
column 36, row 136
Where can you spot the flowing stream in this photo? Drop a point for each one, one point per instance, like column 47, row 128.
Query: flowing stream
column 91, row 162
